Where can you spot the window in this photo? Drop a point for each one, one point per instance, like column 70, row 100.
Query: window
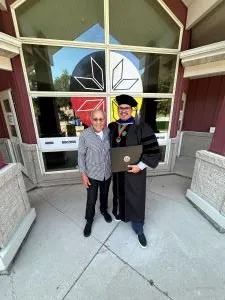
column 154, row 111
column 52, row 68
column 61, row 160
column 74, row 20
column 142, row 72
column 79, row 56
column 141, row 23
column 64, row 116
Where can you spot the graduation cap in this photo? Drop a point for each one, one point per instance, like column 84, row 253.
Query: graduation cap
column 126, row 99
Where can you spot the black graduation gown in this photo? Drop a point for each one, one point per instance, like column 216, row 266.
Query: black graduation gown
column 129, row 189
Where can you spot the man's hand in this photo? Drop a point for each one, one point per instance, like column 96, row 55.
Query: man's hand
column 85, row 180
column 133, row 169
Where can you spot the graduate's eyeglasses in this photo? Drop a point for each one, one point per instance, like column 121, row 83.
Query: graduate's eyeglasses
column 98, row 119
column 127, row 108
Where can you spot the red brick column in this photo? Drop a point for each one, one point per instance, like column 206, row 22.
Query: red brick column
column 17, row 83
column 180, row 11
column 218, row 141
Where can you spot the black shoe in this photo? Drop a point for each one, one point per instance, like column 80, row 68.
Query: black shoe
column 87, row 229
column 142, row 240
column 117, row 217
column 107, row 217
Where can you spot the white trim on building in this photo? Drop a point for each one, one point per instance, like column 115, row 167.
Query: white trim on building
column 3, row 5
column 9, row 47
column 204, row 61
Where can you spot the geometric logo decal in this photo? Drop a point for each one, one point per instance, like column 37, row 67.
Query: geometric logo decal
column 93, row 83
column 120, row 83
column 91, row 104
column 124, row 74
column 83, row 107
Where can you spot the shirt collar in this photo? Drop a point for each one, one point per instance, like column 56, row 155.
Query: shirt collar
column 128, row 121
column 104, row 130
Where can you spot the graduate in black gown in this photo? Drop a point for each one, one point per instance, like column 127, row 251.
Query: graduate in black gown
column 129, row 188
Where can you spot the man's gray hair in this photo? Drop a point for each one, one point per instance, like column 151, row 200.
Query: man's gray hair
column 97, row 110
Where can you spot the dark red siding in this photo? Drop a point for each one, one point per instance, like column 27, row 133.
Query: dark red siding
column 22, row 104
column 180, row 11
column 204, row 100
column 5, row 80
column 16, row 82
column 6, row 19
column 218, row 142
column 3, row 128
column 178, row 8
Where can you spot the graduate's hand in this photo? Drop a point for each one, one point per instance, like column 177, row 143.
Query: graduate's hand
column 85, row 180
column 133, row 169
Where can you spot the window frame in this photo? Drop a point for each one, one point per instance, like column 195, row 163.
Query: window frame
column 107, row 47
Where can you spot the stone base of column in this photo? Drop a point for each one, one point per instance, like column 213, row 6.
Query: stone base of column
column 16, row 215
column 8, row 253
column 207, row 190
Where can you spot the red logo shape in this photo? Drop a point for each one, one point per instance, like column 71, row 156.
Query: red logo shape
column 84, row 105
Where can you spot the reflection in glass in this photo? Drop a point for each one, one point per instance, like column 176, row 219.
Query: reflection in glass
column 155, row 112
column 51, row 68
column 163, row 153
column 63, row 160
column 13, row 130
column 7, row 106
column 64, row 116
column 142, row 23
column 141, row 72
column 75, row 20
column 114, row 108
column 55, row 117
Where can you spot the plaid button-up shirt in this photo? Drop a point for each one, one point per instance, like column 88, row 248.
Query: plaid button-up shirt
column 94, row 155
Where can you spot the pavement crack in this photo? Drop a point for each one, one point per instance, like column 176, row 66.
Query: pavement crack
column 111, row 233
column 62, row 297
column 150, row 281
column 11, row 276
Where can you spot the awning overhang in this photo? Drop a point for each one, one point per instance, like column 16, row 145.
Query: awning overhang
column 204, row 61
column 9, row 48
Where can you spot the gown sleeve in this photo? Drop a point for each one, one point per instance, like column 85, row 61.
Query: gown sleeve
column 151, row 153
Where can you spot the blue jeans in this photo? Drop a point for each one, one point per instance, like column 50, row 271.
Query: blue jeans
column 138, row 227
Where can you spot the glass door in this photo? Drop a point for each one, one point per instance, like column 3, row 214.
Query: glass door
column 13, row 128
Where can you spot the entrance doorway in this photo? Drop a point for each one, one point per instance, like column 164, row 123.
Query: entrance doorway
column 11, row 121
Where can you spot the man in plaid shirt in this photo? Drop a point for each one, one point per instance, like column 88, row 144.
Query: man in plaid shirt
column 95, row 166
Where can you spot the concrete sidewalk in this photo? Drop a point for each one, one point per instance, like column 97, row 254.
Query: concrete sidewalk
column 185, row 258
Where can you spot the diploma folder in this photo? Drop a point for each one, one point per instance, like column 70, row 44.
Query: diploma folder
column 121, row 157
